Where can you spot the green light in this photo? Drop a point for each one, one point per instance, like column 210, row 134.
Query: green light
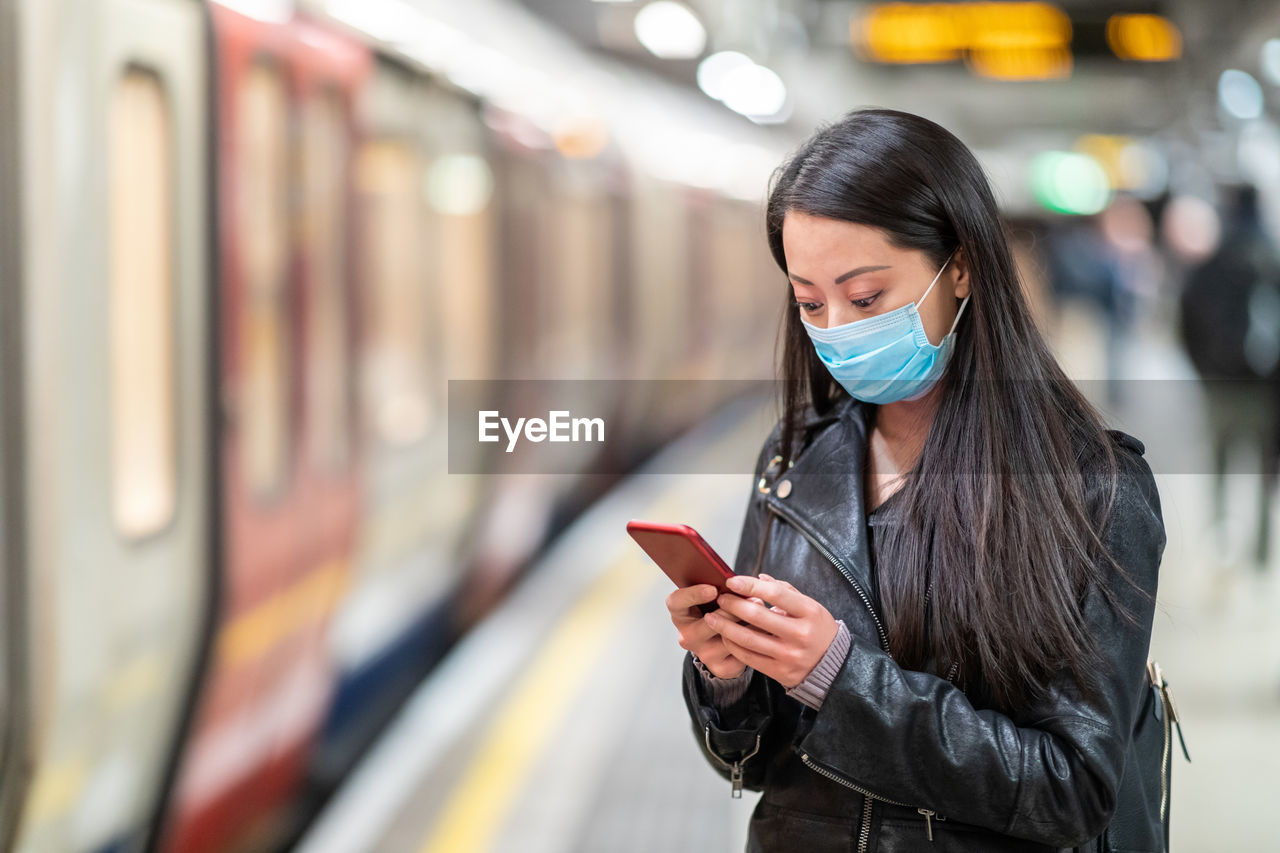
column 1067, row 182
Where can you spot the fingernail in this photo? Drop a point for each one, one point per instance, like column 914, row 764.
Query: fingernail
column 738, row 584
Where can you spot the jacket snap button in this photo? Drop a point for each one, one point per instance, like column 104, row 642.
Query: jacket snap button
column 784, row 488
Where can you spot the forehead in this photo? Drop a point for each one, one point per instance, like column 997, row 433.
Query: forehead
column 806, row 236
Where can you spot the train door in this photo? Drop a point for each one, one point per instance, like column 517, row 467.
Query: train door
column 517, row 504
column 226, row 746
column 426, row 298
column 330, row 73
column 115, row 404
column 288, row 463
column 378, row 605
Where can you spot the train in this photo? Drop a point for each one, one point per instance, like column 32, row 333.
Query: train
column 246, row 246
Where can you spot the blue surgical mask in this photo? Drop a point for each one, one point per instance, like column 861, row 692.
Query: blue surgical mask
column 885, row 358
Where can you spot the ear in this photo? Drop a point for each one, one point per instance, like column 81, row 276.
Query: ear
column 960, row 272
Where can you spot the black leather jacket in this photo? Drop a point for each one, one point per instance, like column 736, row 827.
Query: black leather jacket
column 898, row 760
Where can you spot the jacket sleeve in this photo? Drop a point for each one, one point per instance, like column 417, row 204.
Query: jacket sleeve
column 739, row 740
column 723, row 692
column 1053, row 777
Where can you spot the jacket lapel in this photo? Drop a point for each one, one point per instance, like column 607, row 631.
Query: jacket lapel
column 826, row 491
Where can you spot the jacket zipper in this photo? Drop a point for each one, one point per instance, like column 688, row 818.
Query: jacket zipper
column 735, row 768
column 839, row 564
column 1164, row 760
column 864, row 832
column 1165, row 697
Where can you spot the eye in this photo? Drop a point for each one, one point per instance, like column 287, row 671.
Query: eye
column 864, row 302
column 806, row 307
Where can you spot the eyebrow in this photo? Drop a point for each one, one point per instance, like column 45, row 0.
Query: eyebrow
column 850, row 274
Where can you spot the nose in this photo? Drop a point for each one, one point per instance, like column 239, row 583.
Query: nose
column 839, row 312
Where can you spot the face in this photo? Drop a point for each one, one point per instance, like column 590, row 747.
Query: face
column 842, row 271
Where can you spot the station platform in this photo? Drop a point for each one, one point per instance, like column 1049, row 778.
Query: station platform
column 558, row 725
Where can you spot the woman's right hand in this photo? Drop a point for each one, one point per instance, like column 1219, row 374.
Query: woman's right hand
column 696, row 635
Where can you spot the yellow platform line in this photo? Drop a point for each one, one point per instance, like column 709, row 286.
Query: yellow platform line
column 518, row 736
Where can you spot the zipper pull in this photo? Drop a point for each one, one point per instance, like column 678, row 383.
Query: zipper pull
column 1173, row 709
column 1173, row 715
column 1185, row 754
column 735, row 769
column 928, row 821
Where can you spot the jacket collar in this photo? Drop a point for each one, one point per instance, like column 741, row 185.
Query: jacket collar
column 825, row 495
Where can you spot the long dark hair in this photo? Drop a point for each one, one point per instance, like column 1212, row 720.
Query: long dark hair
column 995, row 511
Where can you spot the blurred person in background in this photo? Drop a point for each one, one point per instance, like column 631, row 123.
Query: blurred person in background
column 1128, row 235
column 1230, row 326
column 1110, row 263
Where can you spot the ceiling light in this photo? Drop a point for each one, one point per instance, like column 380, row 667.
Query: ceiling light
column 754, row 90
column 1240, row 94
column 713, row 70
column 670, row 30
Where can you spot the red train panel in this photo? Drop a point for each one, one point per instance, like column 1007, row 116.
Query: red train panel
column 286, row 95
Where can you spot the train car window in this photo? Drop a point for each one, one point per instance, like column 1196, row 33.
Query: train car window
column 460, row 190
column 262, row 147
column 324, row 165
column 141, row 299
column 390, row 178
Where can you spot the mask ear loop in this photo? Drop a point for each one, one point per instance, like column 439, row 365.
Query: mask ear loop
column 964, row 303
column 938, row 276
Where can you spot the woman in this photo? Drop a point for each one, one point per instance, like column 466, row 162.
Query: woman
column 951, row 565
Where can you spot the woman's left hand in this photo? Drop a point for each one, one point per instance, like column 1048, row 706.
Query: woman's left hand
column 785, row 641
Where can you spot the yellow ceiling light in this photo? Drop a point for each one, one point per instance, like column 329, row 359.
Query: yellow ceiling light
column 1144, row 38
column 1015, row 26
column 1008, row 41
column 1021, row 63
column 909, row 32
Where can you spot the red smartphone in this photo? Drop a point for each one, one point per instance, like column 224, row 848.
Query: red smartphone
column 682, row 554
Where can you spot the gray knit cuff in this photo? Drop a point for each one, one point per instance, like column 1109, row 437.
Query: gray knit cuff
column 723, row 692
column 814, row 688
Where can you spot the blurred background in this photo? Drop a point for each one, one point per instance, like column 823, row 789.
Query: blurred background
column 246, row 602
